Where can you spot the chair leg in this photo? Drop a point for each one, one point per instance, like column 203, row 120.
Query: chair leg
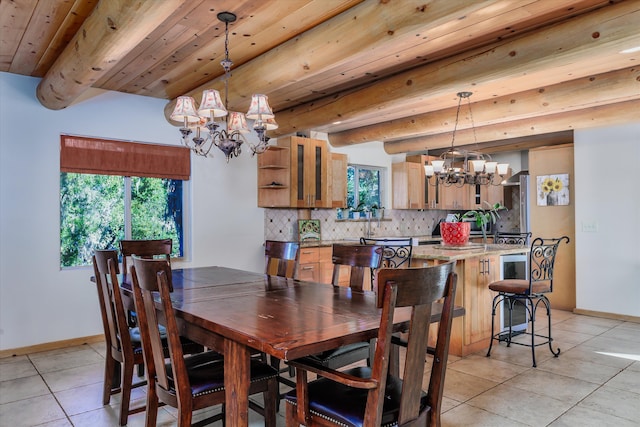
column 494, row 304
column 152, row 406
column 533, row 331
column 547, row 304
column 125, row 386
column 290, row 414
column 512, row 302
column 185, row 416
column 109, row 371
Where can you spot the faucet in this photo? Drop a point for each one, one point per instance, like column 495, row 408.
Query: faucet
column 369, row 232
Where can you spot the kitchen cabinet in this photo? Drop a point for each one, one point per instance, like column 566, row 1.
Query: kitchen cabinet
column 408, row 185
column 338, row 180
column 477, row 299
column 430, row 188
column 454, row 197
column 492, row 194
column 309, row 165
column 274, row 177
column 315, row 264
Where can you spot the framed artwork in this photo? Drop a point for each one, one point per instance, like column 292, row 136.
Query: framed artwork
column 308, row 229
column 552, row 190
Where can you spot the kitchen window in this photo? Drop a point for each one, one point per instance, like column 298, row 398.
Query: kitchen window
column 365, row 186
column 113, row 190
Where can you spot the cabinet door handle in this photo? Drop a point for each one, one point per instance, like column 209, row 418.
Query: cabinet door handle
column 482, row 267
column 307, row 268
column 488, row 267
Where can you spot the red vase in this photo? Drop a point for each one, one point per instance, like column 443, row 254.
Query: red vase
column 455, row 233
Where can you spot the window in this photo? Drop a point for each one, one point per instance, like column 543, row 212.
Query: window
column 114, row 190
column 97, row 211
column 364, row 186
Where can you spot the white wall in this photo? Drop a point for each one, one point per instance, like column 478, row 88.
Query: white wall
column 39, row 302
column 608, row 219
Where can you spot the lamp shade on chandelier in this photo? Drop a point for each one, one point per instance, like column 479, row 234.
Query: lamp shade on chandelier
column 227, row 134
column 459, row 167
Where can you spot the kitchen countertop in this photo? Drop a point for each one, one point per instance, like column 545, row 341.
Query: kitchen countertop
column 321, row 243
column 450, row 253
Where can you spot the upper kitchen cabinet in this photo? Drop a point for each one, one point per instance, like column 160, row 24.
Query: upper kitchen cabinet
column 309, row 166
column 454, row 197
column 274, row 177
column 492, row 194
column 408, row 185
column 430, row 188
column 338, row 180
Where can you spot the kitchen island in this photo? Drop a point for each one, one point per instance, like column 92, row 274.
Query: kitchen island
column 477, row 266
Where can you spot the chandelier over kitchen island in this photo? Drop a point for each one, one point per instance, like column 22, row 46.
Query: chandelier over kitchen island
column 458, row 167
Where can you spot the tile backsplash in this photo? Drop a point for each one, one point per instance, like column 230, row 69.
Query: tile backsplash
column 281, row 224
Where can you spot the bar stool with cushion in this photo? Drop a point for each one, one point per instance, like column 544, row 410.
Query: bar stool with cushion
column 192, row 382
column 396, row 253
column 530, row 293
column 371, row 397
column 503, row 238
column 358, row 258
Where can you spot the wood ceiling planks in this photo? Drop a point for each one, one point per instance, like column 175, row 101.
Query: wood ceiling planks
column 387, row 69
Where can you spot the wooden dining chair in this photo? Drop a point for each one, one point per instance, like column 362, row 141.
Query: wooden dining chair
column 145, row 248
column 368, row 396
column 184, row 382
column 359, row 259
column 281, row 258
column 121, row 349
column 123, row 342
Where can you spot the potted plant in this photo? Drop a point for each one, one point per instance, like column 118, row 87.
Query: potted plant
column 457, row 232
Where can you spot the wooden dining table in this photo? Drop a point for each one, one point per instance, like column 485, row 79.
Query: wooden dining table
column 237, row 312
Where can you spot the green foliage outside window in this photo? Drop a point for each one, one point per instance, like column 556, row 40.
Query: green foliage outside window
column 365, row 183
column 93, row 212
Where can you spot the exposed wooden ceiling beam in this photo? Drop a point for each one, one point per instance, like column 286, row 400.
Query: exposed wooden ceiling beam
column 604, row 115
column 608, row 88
column 345, row 42
column 521, row 63
column 110, row 32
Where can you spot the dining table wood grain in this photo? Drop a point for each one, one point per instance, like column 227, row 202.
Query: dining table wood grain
column 238, row 312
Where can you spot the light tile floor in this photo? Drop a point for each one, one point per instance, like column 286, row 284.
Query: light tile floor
column 594, row 382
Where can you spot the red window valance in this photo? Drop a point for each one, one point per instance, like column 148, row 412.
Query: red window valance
column 109, row 157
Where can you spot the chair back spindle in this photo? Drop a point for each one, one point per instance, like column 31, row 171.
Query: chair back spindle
column 281, row 258
column 358, row 258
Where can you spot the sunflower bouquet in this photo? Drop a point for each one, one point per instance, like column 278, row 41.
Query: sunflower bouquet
column 551, row 184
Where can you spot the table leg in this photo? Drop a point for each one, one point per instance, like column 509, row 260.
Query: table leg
column 236, row 382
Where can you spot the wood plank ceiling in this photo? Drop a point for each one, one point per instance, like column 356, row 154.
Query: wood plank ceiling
column 361, row 70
